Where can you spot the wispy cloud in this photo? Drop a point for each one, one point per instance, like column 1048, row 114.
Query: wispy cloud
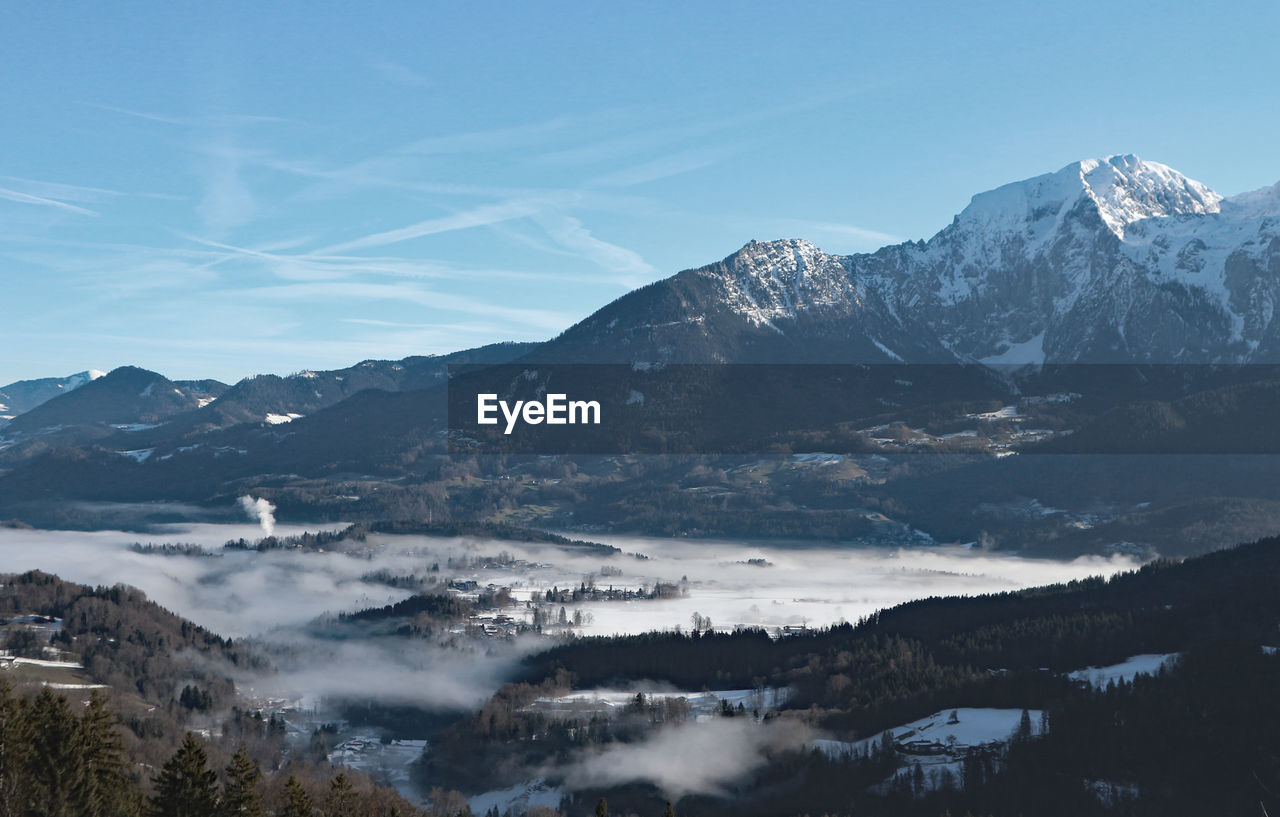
column 79, row 192
column 570, row 233
column 27, row 198
column 228, row 203
column 661, row 168
column 703, row 758
column 152, row 117
column 428, row 335
column 117, row 271
column 817, row 230
column 336, row 291
column 315, row 267
column 215, row 120
column 476, row 217
column 521, row 136
column 399, row 73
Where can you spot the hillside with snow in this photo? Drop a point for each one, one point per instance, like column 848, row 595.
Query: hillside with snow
column 22, row 396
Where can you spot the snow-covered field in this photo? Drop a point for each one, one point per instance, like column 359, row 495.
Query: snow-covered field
column 702, row 705
column 518, row 798
column 957, row 729
column 939, row 742
column 388, row 760
column 1127, row 670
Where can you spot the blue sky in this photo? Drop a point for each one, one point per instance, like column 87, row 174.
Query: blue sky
column 223, row 189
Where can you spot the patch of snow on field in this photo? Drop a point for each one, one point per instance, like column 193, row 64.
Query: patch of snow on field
column 1004, row 413
column 607, row 702
column 519, row 798
column 40, row 662
column 970, row 727
column 956, row 729
column 937, row 743
column 390, row 760
column 1127, row 670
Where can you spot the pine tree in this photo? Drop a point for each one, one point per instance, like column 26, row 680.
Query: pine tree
column 296, row 801
column 668, row 811
column 340, row 801
column 240, row 797
column 186, row 787
column 108, row 791
column 15, row 737
column 602, row 808
column 1023, row 733
column 56, row 771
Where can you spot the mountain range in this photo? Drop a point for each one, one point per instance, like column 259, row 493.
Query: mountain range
column 1105, row 261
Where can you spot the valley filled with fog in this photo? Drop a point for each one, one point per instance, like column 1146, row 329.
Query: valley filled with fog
column 360, row 678
column 276, row 597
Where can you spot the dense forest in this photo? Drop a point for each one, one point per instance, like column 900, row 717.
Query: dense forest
column 57, row 763
column 132, row 751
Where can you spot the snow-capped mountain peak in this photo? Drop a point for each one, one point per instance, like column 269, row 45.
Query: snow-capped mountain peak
column 769, row 280
column 1106, row 260
column 1261, row 203
column 1122, row 189
column 24, row 395
column 80, row 378
column 769, row 257
column 1127, row 189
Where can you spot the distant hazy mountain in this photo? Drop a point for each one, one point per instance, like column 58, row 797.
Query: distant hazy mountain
column 24, row 395
column 276, row 400
column 127, row 399
column 1107, row 260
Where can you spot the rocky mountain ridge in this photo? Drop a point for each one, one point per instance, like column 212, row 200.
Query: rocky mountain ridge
column 1111, row 260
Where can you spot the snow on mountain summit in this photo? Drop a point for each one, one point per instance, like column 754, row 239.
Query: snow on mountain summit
column 1104, row 261
column 1127, row 189
column 1122, row 188
column 1261, row 203
column 24, row 395
column 769, row 280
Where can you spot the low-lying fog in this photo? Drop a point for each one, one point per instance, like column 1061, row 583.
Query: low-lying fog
column 273, row 595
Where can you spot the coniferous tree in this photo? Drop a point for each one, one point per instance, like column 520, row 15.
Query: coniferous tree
column 108, row 790
column 1023, row 733
column 668, row 811
column 296, row 801
column 186, row 787
column 602, row 808
column 240, row 796
column 340, row 800
column 55, row 772
column 15, row 737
